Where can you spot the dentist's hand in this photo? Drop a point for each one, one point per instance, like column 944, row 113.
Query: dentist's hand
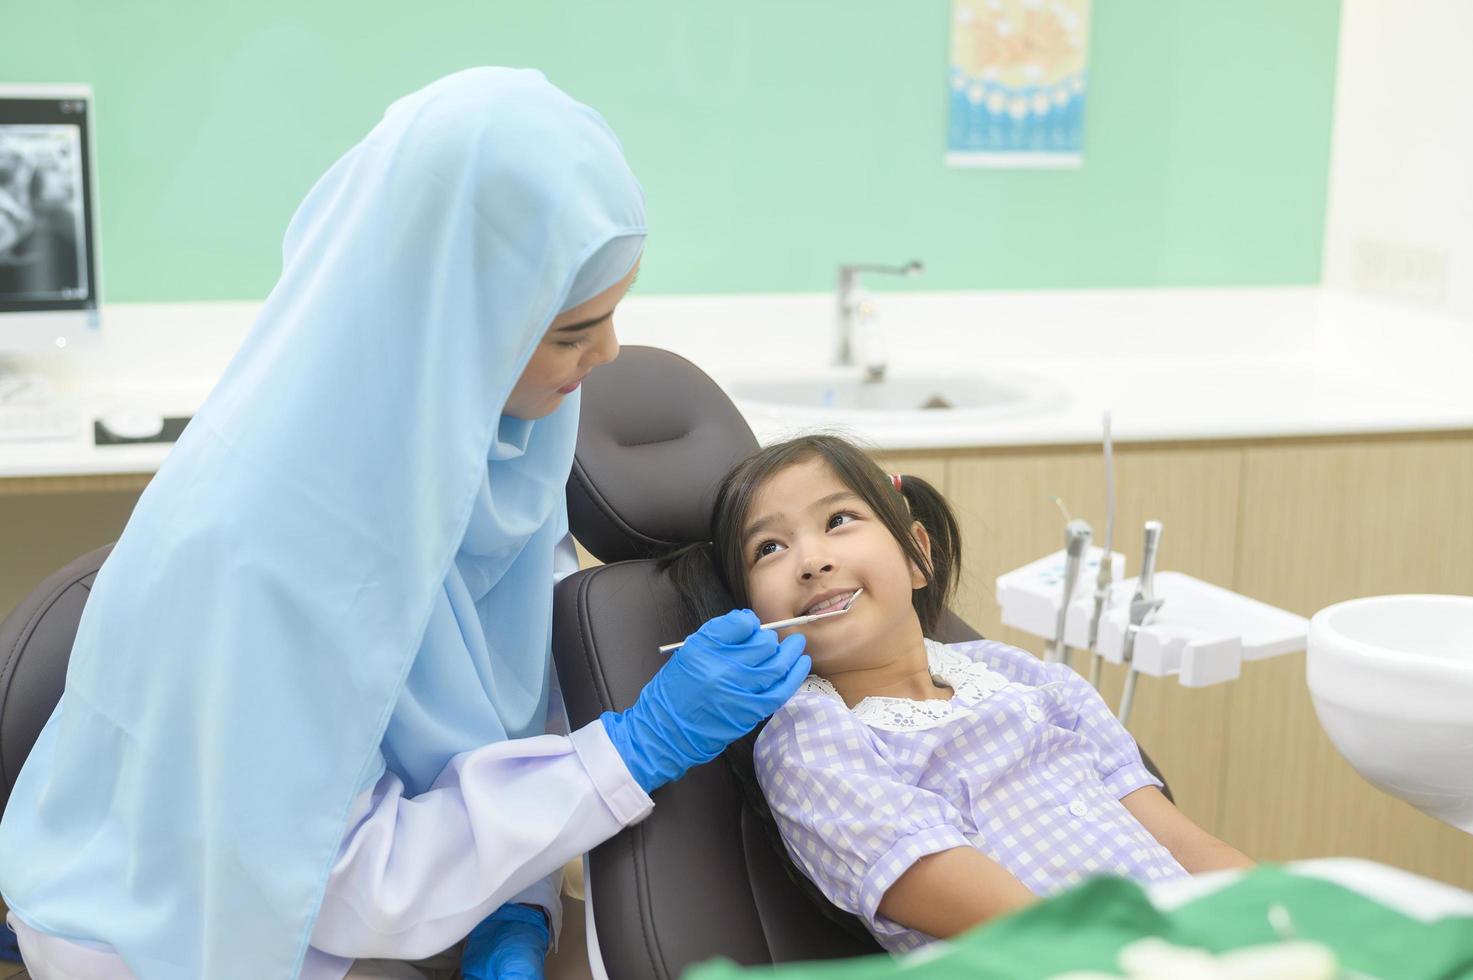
column 727, row 677
column 510, row 944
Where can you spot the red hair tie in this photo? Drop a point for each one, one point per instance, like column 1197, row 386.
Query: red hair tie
column 895, row 480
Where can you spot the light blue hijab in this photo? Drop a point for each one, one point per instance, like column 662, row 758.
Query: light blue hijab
column 346, row 562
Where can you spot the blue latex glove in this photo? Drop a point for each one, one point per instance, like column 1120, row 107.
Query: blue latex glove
column 510, row 944
column 727, row 677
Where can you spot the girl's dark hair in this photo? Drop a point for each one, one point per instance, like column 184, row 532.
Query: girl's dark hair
column 692, row 568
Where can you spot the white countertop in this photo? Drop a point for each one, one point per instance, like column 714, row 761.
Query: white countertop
column 1179, row 364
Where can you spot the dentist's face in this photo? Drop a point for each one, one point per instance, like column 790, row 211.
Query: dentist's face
column 578, row 341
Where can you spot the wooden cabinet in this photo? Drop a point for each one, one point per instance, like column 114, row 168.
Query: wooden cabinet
column 1321, row 524
column 45, row 523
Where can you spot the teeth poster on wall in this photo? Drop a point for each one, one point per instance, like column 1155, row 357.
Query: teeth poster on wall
column 1018, row 77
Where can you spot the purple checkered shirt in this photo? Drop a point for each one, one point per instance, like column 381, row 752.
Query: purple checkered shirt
column 1025, row 762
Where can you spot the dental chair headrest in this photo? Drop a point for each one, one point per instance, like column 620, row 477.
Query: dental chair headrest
column 655, row 437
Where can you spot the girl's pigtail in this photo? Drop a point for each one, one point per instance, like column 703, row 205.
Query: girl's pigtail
column 928, row 506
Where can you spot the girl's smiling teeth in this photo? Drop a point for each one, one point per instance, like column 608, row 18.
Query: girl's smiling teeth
column 834, row 600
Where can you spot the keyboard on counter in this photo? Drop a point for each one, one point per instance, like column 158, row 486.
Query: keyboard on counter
column 30, row 411
column 39, row 423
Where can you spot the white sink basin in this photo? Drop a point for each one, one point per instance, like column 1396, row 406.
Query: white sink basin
column 1391, row 678
column 930, row 398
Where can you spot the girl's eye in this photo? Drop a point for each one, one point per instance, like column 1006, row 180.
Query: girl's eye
column 764, row 549
column 840, row 519
column 572, row 344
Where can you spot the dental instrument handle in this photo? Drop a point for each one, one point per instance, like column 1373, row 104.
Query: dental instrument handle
column 1102, row 595
column 1127, row 693
column 1107, row 572
column 1127, row 697
column 1146, row 588
column 783, row 623
column 1109, row 486
column 1141, row 611
column 1077, row 535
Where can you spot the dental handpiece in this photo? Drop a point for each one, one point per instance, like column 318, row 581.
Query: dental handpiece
column 1145, row 586
column 1102, row 595
column 1142, row 607
column 1077, row 535
column 1107, row 571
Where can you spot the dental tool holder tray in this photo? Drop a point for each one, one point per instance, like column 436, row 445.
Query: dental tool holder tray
column 1202, row 633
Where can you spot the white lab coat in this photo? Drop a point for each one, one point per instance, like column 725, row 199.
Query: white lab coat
column 415, row 874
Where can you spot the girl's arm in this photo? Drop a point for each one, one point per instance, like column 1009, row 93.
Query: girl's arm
column 1194, row 848
column 947, row 893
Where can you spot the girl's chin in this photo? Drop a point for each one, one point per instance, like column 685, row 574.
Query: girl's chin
column 831, row 653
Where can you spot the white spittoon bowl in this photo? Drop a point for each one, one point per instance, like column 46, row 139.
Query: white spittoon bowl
column 1391, row 678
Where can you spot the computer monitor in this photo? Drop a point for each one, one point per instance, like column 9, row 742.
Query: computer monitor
column 49, row 293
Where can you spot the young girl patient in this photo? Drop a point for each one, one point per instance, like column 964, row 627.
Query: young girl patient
column 925, row 787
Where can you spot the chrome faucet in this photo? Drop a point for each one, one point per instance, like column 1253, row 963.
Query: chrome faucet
column 854, row 308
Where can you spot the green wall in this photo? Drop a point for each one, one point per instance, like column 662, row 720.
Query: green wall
column 774, row 138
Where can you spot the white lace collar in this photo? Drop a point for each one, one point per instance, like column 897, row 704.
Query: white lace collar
column 969, row 680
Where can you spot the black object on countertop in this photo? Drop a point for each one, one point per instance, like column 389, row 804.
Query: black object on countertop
column 173, row 426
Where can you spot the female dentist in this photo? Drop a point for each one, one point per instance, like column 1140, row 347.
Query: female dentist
column 304, row 719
